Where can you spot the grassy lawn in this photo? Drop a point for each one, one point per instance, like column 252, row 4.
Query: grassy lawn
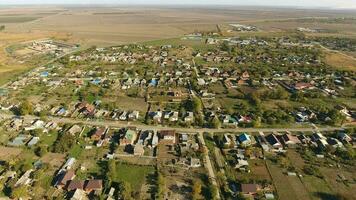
column 318, row 188
column 133, row 174
column 283, row 187
column 49, row 139
column 76, row 151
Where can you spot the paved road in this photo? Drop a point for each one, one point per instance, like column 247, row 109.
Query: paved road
column 120, row 124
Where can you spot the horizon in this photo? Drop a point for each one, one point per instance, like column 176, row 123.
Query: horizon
column 326, row 4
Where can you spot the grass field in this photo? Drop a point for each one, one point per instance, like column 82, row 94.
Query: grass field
column 133, row 174
column 287, row 187
column 340, row 61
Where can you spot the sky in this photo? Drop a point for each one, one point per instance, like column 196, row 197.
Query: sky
column 294, row 3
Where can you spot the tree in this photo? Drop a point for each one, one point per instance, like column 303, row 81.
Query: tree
column 64, row 143
column 336, row 117
column 2, row 27
column 41, row 150
column 126, row 191
column 161, row 183
column 213, row 190
column 111, row 171
column 25, row 108
column 215, row 122
column 19, row 192
column 196, row 190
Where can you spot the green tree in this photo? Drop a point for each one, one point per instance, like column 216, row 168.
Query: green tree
column 25, row 108
column 161, row 184
column 64, row 143
column 215, row 122
column 213, row 190
column 19, row 192
column 196, row 190
column 126, row 191
column 41, row 151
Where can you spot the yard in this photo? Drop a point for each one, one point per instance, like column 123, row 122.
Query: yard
column 137, row 176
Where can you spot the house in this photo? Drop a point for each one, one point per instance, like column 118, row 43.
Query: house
column 194, row 162
column 86, row 109
column 75, row 185
column 302, row 86
column 334, row 143
column 75, row 129
column 33, row 141
column 93, row 185
column 245, row 76
column 249, row 189
column 139, row 150
column 189, row 117
column 98, row 134
column 245, row 139
column 25, row 178
column 156, row 116
column 241, row 164
column 70, row 162
column 226, row 140
column 183, row 138
column 344, row 137
column 168, row 136
column 129, row 137
column 19, row 140
column 174, row 117
column 64, row 178
column 273, row 141
column 229, row 120
column 123, row 116
column 155, row 139
column 79, row 195
column 289, row 140
column 134, row 115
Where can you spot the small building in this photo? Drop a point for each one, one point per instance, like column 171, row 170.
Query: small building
column 75, row 185
column 93, row 185
column 290, row 140
column 241, row 164
column 24, row 179
column 249, row 189
column 168, row 136
column 75, row 129
column 194, row 162
column 79, row 195
column 273, row 141
column 98, row 134
column 33, row 141
column 189, row 117
column 139, row 150
column 64, row 178
column 129, row 137
column 226, row 140
column 245, row 139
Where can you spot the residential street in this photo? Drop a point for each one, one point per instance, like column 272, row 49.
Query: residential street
column 120, row 124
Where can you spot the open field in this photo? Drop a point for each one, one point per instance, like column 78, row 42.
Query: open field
column 108, row 26
column 9, row 66
column 133, row 174
column 9, row 152
column 340, row 61
column 287, row 187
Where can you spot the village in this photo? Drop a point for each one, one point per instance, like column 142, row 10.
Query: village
column 180, row 121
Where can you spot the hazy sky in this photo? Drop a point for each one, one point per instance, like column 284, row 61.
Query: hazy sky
column 299, row 3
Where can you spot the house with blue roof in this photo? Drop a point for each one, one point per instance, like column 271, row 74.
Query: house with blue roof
column 245, row 139
column 44, row 74
column 96, row 81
